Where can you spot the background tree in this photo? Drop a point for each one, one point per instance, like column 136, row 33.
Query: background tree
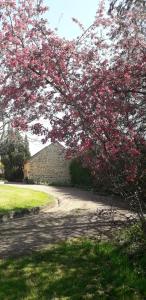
column 1, row 169
column 15, row 150
column 26, row 146
column 4, row 121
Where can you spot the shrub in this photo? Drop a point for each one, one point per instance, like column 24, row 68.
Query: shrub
column 14, row 174
column 60, row 184
column 80, row 175
column 28, row 180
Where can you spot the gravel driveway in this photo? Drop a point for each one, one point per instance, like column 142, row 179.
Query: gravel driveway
column 76, row 213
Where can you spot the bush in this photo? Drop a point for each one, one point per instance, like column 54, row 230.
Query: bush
column 80, row 175
column 60, row 184
column 28, row 180
column 14, row 174
column 1, row 176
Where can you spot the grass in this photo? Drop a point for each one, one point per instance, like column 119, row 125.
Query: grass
column 13, row 198
column 75, row 270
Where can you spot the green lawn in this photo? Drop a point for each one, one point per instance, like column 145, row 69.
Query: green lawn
column 75, row 270
column 13, row 198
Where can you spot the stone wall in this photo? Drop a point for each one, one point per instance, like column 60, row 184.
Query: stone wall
column 26, row 169
column 49, row 165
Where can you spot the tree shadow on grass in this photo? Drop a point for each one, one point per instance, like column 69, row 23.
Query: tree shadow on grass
column 22, row 236
column 74, row 270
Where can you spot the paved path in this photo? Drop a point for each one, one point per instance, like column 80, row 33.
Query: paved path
column 76, row 213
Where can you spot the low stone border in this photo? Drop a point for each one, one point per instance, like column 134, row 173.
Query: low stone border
column 11, row 215
column 5, row 217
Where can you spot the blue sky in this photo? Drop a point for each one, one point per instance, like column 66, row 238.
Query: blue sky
column 60, row 15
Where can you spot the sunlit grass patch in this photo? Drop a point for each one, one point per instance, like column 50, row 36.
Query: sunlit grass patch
column 13, row 198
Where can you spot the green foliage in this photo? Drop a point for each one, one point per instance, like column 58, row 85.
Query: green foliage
column 80, row 175
column 132, row 238
column 142, row 171
column 75, row 270
column 14, row 152
column 60, row 184
column 29, row 180
column 26, row 145
column 1, row 166
column 1, row 170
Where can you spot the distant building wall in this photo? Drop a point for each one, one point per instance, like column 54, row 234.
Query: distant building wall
column 26, row 169
column 49, row 165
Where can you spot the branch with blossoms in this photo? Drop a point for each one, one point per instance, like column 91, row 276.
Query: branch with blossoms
column 90, row 91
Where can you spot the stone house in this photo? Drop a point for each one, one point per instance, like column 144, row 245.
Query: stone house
column 48, row 165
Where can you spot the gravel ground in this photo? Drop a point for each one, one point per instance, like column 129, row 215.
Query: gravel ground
column 75, row 213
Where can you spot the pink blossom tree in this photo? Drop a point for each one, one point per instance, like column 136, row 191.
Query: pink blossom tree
column 91, row 91
column 125, row 5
